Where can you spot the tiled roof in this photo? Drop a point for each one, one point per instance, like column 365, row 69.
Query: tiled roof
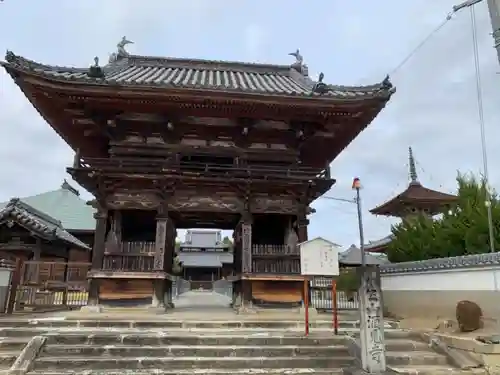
column 373, row 245
column 131, row 70
column 352, row 257
column 205, row 259
column 415, row 195
column 40, row 223
column 65, row 205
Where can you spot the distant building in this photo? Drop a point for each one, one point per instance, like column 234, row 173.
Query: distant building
column 414, row 201
column 205, row 257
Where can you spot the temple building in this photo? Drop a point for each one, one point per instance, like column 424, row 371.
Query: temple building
column 174, row 143
column 62, row 210
column 205, row 258
column 415, row 200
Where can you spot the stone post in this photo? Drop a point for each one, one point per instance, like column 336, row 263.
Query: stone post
column 372, row 321
column 98, row 249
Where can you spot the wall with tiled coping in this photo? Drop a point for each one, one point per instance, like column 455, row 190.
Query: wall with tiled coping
column 432, row 288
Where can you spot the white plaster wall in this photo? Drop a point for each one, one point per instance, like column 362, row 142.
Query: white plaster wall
column 5, row 277
column 477, row 278
column 435, row 294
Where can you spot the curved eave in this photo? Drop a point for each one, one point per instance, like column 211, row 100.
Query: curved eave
column 91, row 86
column 418, row 197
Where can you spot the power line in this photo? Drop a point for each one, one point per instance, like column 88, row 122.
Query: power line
column 421, row 44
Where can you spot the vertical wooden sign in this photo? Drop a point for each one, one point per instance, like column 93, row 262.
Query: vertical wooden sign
column 246, row 247
column 161, row 233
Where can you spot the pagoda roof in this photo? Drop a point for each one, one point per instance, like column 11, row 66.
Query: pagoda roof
column 39, row 223
column 197, row 74
column 415, row 196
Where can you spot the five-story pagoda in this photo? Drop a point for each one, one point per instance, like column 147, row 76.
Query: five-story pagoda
column 169, row 143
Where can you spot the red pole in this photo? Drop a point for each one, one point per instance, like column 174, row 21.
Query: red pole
column 306, row 306
column 335, row 307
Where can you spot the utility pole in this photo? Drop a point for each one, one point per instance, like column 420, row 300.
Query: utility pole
column 494, row 8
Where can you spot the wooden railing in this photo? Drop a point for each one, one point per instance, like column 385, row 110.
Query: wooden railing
column 275, row 259
column 137, row 247
column 202, row 169
column 127, row 262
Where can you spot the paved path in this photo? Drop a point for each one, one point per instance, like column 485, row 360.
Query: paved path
column 201, row 300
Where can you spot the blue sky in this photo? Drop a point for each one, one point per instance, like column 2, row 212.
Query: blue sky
column 352, row 42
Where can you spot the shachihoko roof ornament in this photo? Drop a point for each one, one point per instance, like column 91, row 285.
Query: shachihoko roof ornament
column 121, row 51
column 299, row 65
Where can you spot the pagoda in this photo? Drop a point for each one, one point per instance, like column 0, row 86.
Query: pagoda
column 415, row 200
column 170, row 143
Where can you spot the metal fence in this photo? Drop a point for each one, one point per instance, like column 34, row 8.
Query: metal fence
column 180, row 286
column 224, row 287
column 321, row 296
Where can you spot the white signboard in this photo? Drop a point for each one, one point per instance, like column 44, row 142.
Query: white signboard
column 319, row 257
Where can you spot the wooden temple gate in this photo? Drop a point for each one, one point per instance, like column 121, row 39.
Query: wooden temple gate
column 165, row 143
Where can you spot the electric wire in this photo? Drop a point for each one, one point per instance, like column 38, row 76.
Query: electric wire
column 480, row 109
column 421, row 44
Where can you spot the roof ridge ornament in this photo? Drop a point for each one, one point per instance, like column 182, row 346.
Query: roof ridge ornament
column 299, row 65
column 95, row 71
column 121, row 51
column 320, row 87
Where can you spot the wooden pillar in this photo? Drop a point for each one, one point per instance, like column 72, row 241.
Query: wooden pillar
column 302, row 223
column 101, row 217
column 246, row 259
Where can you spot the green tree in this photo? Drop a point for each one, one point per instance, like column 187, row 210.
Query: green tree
column 227, row 241
column 461, row 231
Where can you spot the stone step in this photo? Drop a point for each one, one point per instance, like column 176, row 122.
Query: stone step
column 435, row 370
column 13, row 343
column 30, row 332
column 158, row 324
column 186, row 339
column 415, row 358
column 182, row 363
column 194, row 351
column 7, row 358
column 256, row 371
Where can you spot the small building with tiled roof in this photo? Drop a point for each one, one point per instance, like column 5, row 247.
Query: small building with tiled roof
column 416, row 199
column 66, row 205
column 29, row 233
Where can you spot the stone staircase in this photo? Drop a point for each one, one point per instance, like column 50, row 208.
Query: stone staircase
column 168, row 347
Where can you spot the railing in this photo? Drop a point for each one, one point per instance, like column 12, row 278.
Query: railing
column 202, row 169
column 127, row 262
column 137, row 247
column 275, row 259
column 274, row 250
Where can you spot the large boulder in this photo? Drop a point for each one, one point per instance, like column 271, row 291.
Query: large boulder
column 469, row 316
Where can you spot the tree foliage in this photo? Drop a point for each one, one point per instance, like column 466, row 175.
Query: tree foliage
column 461, row 231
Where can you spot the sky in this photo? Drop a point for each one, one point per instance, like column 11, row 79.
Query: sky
column 352, row 42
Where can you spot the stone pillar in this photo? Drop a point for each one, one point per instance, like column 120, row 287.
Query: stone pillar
column 101, row 217
column 372, row 321
column 168, row 261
